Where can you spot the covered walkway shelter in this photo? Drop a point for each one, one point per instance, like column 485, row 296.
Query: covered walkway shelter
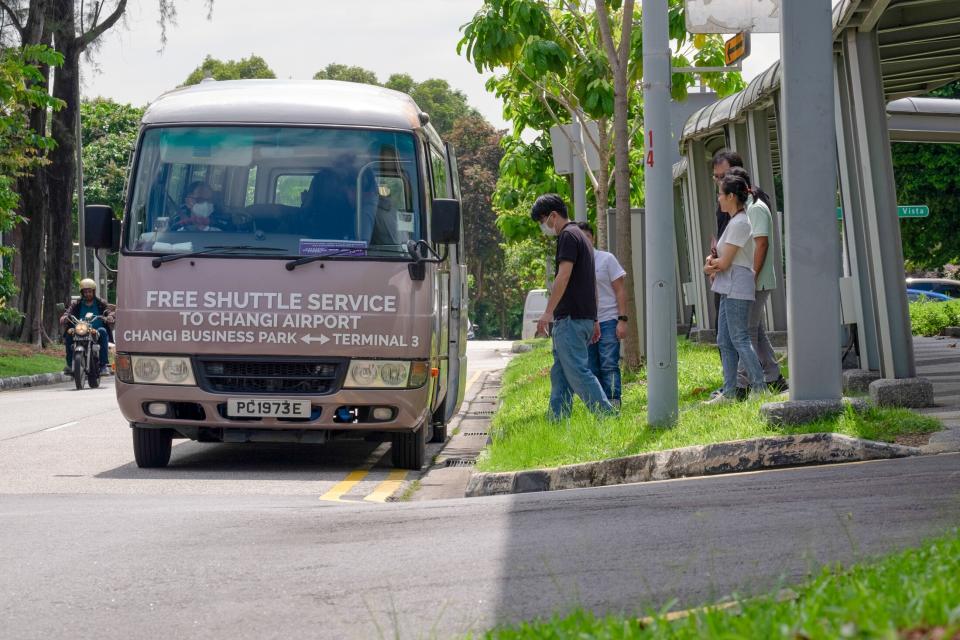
column 886, row 53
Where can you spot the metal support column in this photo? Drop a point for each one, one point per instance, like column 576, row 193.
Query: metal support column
column 758, row 152
column 702, row 225
column 810, row 179
column 740, row 142
column 879, row 203
column 855, row 216
column 683, row 262
column 662, row 394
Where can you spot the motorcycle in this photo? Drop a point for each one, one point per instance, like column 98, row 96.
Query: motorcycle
column 86, row 350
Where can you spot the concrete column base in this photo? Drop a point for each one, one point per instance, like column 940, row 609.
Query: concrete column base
column 912, row 393
column 705, row 336
column 792, row 412
column 858, row 380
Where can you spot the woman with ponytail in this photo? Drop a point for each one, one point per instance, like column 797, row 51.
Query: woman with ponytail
column 761, row 225
column 733, row 279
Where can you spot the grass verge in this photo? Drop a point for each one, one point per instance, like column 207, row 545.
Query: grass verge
column 17, row 359
column 523, row 437
column 912, row 594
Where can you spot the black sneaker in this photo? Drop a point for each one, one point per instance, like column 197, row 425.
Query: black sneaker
column 741, row 394
column 68, row 370
column 779, row 385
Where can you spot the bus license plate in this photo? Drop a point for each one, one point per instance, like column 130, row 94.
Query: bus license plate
column 263, row 408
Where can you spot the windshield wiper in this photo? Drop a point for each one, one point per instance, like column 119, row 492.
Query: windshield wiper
column 170, row 257
column 293, row 264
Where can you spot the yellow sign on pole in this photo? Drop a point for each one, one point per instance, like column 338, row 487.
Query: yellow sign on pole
column 736, row 48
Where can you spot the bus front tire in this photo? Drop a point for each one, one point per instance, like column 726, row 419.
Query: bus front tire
column 409, row 448
column 151, row 447
column 439, row 433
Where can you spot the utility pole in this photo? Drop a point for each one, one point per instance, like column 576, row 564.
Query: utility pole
column 660, row 246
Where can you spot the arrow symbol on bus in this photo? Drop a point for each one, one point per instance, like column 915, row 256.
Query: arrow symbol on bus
column 309, row 339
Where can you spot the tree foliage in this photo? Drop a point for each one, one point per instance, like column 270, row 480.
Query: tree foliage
column 109, row 130
column 22, row 150
column 436, row 97
column 930, row 174
column 552, row 67
column 334, row 71
column 252, row 67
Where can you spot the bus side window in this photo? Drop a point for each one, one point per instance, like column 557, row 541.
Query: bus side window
column 438, row 171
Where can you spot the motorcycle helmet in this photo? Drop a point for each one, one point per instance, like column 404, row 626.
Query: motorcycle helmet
column 88, row 283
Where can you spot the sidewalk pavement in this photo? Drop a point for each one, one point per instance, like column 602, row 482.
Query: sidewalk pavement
column 938, row 360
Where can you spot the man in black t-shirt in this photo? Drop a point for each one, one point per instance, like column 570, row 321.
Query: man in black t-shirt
column 572, row 308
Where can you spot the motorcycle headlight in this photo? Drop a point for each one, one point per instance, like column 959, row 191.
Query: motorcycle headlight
column 162, row 370
column 377, row 374
column 82, row 329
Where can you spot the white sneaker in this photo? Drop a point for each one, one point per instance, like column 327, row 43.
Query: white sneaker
column 718, row 399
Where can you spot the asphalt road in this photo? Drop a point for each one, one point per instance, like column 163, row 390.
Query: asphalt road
column 60, row 440
column 236, row 543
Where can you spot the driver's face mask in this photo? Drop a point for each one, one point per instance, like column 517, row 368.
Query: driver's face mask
column 202, row 209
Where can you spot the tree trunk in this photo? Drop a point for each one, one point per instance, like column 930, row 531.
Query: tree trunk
column 618, row 57
column 33, row 206
column 63, row 168
column 602, row 190
column 34, row 203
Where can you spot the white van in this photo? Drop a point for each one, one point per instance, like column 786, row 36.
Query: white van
column 533, row 308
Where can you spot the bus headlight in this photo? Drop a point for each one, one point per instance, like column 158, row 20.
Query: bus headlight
column 379, row 374
column 159, row 370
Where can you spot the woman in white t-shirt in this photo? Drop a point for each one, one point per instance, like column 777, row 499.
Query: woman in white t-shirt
column 733, row 279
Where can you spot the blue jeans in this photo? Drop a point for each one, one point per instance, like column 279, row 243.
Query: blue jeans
column 104, row 348
column 571, row 370
column 605, row 360
column 733, row 338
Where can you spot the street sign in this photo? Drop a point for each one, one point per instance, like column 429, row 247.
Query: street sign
column 736, row 48
column 913, row 211
column 903, row 211
column 732, row 16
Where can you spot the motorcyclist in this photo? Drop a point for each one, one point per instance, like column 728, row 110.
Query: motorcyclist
column 89, row 303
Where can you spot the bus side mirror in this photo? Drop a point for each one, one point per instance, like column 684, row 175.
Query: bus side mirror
column 100, row 229
column 445, row 222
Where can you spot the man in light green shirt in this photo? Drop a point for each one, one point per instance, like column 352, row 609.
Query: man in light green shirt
column 761, row 223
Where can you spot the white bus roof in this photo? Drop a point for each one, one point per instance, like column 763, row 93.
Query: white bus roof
column 318, row 102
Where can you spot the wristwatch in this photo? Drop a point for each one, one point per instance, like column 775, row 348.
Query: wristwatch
column 622, row 318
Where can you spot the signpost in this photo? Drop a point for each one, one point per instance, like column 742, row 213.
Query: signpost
column 732, row 16
column 736, row 48
column 568, row 150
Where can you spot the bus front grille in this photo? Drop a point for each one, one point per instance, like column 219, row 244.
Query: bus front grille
column 279, row 376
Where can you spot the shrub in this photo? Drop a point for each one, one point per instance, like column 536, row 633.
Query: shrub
column 930, row 318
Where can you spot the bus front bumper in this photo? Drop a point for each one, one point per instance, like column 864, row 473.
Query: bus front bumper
column 185, row 408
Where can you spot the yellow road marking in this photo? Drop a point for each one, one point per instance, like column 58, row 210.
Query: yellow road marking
column 470, row 382
column 344, row 486
column 386, row 488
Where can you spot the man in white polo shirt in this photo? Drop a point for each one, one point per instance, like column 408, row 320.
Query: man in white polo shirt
column 612, row 315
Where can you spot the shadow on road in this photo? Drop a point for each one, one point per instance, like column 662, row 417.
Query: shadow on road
column 288, row 462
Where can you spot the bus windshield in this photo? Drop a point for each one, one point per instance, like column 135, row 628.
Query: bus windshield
column 293, row 191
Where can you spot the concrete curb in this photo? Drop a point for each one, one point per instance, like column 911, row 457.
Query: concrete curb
column 701, row 460
column 36, row 380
